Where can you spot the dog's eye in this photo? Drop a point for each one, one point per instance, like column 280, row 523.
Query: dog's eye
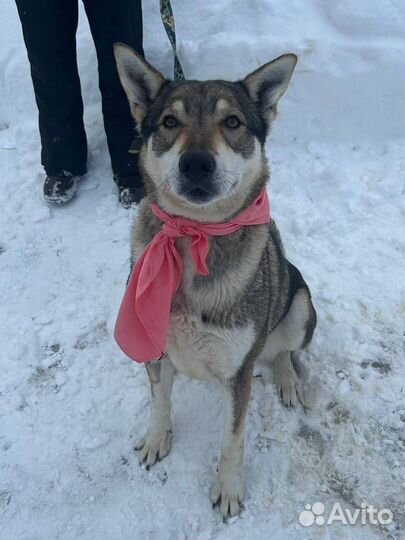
column 232, row 122
column 170, row 122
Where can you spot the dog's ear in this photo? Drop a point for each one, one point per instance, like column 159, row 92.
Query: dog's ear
column 140, row 80
column 267, row 84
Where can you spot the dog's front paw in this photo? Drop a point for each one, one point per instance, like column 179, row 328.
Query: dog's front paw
column 154, row 446
column 227, row 494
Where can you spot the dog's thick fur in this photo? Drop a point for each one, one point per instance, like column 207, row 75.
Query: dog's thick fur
column 254, row 304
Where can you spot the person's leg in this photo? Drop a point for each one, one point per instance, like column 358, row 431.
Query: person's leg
column 49, row 28
column 111, row 21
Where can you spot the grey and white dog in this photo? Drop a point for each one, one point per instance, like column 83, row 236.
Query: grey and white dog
column 203, row 157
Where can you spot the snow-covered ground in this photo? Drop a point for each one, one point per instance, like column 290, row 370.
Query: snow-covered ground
column 71, row 405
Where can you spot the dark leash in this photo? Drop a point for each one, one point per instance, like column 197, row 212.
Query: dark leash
column 166, row 13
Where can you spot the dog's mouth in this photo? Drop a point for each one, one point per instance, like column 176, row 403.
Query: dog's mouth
column 198, row 195
column 197, row 192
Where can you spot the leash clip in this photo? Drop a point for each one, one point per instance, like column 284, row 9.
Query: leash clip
column 136, row 145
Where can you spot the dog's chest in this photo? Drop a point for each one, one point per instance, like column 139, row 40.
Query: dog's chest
column 198, row 349
column 204, row 351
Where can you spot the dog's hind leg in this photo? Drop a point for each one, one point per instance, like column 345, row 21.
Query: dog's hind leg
column 286, row 380
column 228, row 490
column 157, row 441
column 293, row 333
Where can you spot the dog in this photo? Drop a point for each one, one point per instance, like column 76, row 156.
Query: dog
column 203, row 158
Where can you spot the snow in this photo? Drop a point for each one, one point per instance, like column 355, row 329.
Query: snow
column 71, row 404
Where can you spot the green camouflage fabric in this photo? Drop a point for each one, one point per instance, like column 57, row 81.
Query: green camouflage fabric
column 166, row 13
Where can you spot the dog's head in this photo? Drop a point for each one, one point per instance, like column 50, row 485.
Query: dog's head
column 203, row 142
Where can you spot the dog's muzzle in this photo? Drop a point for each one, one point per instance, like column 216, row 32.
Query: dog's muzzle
column 197, row 180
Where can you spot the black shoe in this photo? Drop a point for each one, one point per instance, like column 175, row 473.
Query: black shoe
column 130, row 189
column 128, row 196
column 59, row 189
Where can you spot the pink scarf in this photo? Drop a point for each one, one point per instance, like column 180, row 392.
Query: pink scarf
column 143, row 318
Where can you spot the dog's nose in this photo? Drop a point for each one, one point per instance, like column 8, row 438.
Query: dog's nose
column 197, row 164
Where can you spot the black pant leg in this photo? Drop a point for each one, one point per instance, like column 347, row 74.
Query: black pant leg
column 111, row 21
column 49, row 29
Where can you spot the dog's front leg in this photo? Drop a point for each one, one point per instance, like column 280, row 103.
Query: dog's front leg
column 157, row 441
column 228, row 490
